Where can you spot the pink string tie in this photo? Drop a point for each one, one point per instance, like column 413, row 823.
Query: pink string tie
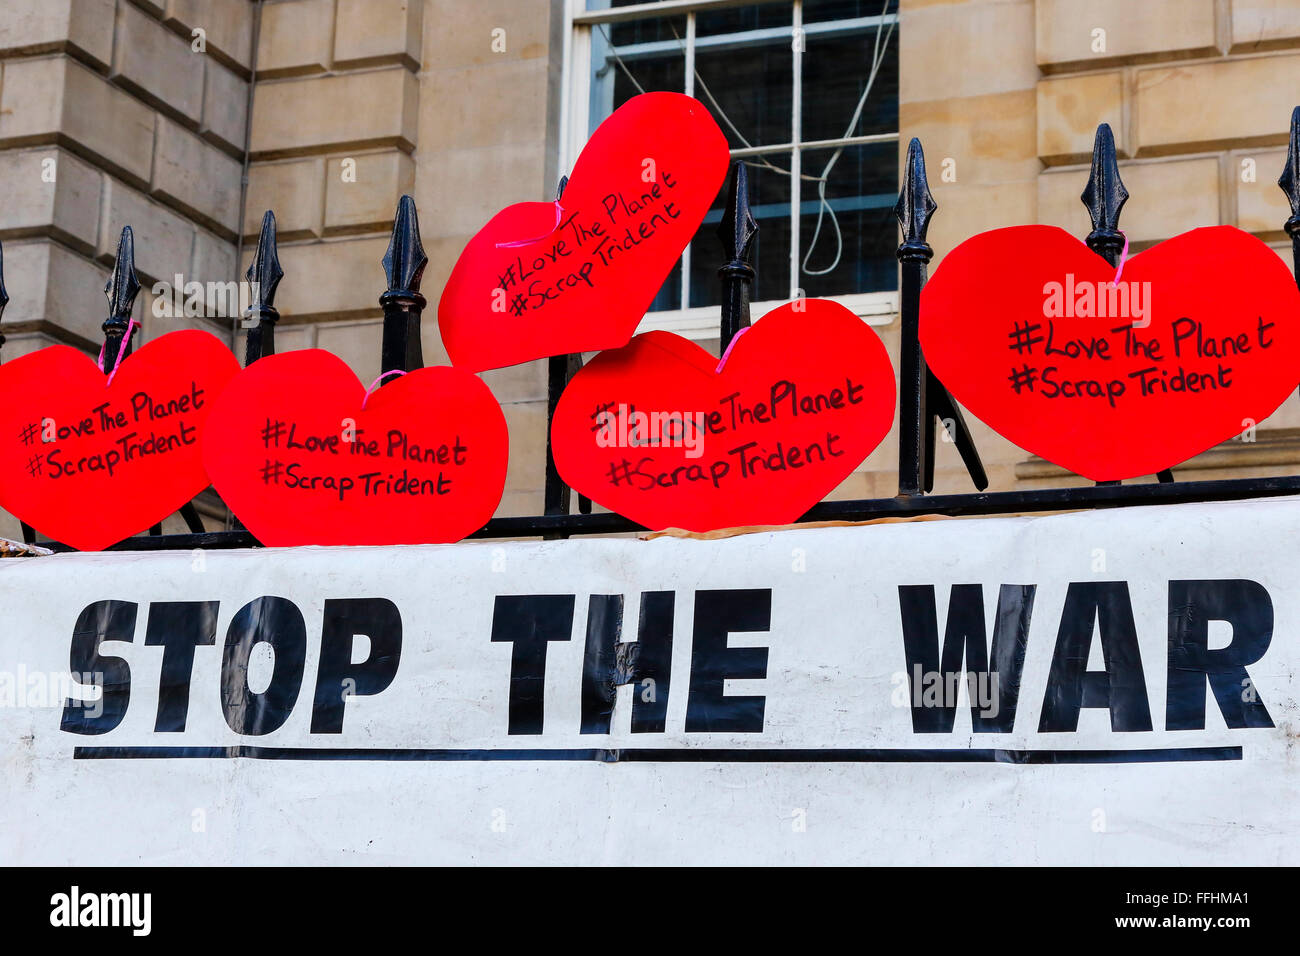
column 731, row 345
column 121, row 351
column 559, row 214
column 1122, row 256
column 375, row 384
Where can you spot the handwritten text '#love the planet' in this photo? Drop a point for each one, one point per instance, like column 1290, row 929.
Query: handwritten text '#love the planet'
column 1065, row 364
column 581, row 247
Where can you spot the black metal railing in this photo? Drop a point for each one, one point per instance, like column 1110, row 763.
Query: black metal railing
column 924, row 403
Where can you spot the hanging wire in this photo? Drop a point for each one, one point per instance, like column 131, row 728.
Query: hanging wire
column 824, row 208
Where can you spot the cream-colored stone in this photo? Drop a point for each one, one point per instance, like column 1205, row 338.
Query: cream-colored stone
column 526, row 422
column 83, row 28
column 517, row 383
column 966, row 210
column 225, row 108
column 989, row 139
column 1237, row 103
column 377, row 31
column 1261, row 206
column 455, row 102
column 461, row 34
column 157, row 65
column 293, row 190
column 331, row 280
column 66, row 208
column 164, row 241
column 1066, row 30
column 295, row 37
column 197, row 178
column 227, row 26
column 373, row 108
column 966, row 50
column 500, row 176
column 1070, row 108
column 108, row 126
column 1165, row 198
column 214, row 258
column 1264, row 24
column 60, row 288
column 368, row 201
column 358, row 344
column 288, row 338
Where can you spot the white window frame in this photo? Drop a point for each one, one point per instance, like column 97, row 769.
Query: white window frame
column 875, row 308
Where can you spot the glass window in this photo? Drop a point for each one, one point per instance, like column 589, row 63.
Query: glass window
column 806, row 92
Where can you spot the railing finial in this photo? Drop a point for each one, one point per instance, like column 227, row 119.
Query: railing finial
column 264, row 275
column 736, row 231
column 559, row 190
column 1105, row 196
column 404, row 264
column 1289, row 181
column 915, row 206
column 405, row 260
column 122, row 288
column 4, row 296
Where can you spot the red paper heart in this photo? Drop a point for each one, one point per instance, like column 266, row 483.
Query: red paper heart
column 994, row 286
column 289, row 433
column 834, row 402
column 116, row 465
column 577, row 275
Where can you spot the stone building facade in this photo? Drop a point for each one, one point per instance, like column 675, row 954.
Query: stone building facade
column 187, row 118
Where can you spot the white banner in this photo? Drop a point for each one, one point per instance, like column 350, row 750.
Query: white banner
column 1106, row 687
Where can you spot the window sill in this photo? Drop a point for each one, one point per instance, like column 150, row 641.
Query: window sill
column 700, row 325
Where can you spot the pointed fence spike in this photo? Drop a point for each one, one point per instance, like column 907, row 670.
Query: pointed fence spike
column 4, row 296
column 736, row 231
column 264, row 272
column 403, row 304
column 915, row 206
column 121, row 291
column 264, row 275
column 405, row 260
column 1105, row 195
column 559, row 190
column 1289, row 181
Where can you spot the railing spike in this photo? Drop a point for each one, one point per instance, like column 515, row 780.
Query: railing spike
column 736, row 231
column 264, row 275
column 915, row 205
column 1105, row 196
column 1289, row 181
column 405, row 260
column 559, row 190
column 122, row 288
column 403, row 304
column 4, row 296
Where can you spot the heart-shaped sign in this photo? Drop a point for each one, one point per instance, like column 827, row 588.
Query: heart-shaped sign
column 89, row 461
column 303, row 455
column 578, row 274
column 1196, row 341
column 662, row 433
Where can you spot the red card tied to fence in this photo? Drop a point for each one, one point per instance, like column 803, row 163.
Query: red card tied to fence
column 302, row 456
column 1198, row 340
column 578, row 274
column 657, row 432
column 88, row 462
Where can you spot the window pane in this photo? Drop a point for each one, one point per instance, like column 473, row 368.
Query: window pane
column 819, row 11
column 743, row 57
column 628, row 58
column 769, row 201
column 836, row 67
column 861, row 188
